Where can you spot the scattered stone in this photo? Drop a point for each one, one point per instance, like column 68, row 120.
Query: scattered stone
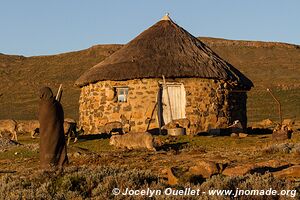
column 177, row 123
column 238, row 170
column 288, row 122
column 260, row 167
column 234, row 135
column 204, row 169
column 272, row 164
column 172, row 179
column 77, row 154
column 291, row 172
column 178, row 174
column 243, row 135
column 266, row 123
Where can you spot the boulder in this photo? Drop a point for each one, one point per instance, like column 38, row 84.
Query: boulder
column 177, row 175
column 239, row 170
column 204, row 169
column 291, row 172
column 260, row 167
column 272, row 164
column 172, row 179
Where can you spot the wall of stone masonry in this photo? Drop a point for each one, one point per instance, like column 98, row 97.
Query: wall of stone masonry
column 209, row 105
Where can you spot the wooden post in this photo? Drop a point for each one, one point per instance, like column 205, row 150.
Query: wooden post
column 151, row 117
column 169, row 101
column 279, row 105
column 159, row 108
column 58, row 95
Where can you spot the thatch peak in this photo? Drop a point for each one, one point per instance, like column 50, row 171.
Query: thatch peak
column 164, row 49
column 166, row 17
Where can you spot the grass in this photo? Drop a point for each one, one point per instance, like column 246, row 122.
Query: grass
column 18, row 152
column 262, row 106
column 98, row 183
column 101, row 168
column 97, row 145
column 268, row 65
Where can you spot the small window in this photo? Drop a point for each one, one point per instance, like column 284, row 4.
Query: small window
column 121, row 94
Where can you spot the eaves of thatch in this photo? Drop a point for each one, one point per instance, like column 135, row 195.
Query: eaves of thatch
column 164, row 49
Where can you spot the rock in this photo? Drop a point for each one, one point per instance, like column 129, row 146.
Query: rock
column 182, row 175
column 265, row 123
column 291, row 172
column 234, row 135
column 243, row 135
column 260, row 167
column 288, row 122
column 172, row 179
column 272, row 164
column 178, row 123
column 204, row 168
column 77, row 154
column 110, row 94
column 238, row 170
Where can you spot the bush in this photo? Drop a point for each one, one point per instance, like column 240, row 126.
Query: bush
column 98, row 182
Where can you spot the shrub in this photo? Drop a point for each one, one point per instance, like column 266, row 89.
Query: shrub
column 98, row 182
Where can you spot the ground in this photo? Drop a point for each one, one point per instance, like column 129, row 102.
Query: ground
column 92, row 152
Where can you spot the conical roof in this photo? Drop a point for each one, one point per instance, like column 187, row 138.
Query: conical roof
column 164, row 49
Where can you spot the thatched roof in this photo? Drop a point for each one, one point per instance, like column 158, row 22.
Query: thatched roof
column 164, row 49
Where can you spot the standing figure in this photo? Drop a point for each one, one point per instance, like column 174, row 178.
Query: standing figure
column 53, row 149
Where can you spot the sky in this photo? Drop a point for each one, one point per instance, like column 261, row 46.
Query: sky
column 40, row 27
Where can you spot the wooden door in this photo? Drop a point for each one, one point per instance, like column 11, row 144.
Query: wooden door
column 173, row 102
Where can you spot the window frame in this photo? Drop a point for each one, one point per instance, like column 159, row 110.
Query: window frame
column 121, row 89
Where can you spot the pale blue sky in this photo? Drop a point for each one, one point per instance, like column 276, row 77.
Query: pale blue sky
column 40, row 27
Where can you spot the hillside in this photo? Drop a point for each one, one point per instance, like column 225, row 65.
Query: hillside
column 267, row 64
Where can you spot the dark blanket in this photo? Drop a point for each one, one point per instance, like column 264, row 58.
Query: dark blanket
column 53, row 150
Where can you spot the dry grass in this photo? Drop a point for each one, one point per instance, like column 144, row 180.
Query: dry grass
column 99, row 168
column 88, row 182
column 268, row 65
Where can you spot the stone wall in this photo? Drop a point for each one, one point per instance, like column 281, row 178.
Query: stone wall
column 209, row 105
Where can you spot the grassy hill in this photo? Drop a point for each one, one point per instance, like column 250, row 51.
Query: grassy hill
column 267, row 64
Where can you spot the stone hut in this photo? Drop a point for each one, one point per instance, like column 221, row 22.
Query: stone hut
column 163, row 74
